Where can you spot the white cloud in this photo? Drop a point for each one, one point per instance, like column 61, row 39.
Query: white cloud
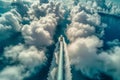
column 9, row 23
column 82, row 53
column 26, row 59
column 84, row 56
column 40, row 32
column 36, row 10
column 11, row 73
column 84, row 43
column 111, row 61
column 44, row 18
column 30, row 57
column 29, row 61
column 80, row 15
column 77, row 30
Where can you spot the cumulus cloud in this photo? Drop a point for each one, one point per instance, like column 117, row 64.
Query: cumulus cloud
column 9, row 23
column 81, row 15
column 111, row 60
column 107, row 7
column 85, row 42
column 37, row 11
column 45, row 18
column 24, row 61
column 83, row 55
column 77, row 30
column 11, row 73
column 40, row 32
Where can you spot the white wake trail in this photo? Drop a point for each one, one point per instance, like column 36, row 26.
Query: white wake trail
column 54, row 64
column 68, row 74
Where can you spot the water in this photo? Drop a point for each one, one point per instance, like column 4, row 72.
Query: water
column 60, row 67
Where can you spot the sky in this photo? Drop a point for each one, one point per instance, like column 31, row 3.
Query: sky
column 30, row 30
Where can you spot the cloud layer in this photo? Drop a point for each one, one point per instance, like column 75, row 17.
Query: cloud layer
column 84, row 33
column 28, row 28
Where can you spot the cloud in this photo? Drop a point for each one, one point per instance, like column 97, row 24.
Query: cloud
column 84, row 33
column 111, row 60
column 77, row 30
column 45, row 18
column 81, row 15
column 37, row 24
column 45, row 28
column 11, row 73
column 113, row 43
column 21, row 7
column 107, row 7
column 40, row 32
column 83, row 54
column 9, row 24
column 37, row 11
column 28, row 58
column 24, row 61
